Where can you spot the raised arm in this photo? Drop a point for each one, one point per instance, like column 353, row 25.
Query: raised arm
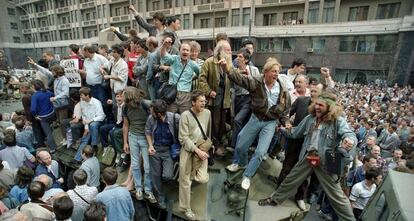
column 141, row 21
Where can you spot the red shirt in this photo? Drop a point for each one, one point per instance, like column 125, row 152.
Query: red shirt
column 131, row 61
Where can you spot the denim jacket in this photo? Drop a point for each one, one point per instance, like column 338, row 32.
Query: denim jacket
column 326, row 141
column 151, row 125
column 118, row 202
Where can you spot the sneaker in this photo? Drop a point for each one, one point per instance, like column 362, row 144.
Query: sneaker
column 139, row 195
column 245, row 183
column 190, row 215
column 150, row 197
column 324, row 215
column 105, row 151
column 162, row 205
column 63, row 143
column 301, row 204
column 234, row 167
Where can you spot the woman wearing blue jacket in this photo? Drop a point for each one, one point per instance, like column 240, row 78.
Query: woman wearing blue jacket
column 42, row 108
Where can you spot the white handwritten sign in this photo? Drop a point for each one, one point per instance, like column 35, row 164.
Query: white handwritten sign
column 71, row 71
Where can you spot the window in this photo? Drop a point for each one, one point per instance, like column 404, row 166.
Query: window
column 347, row 44
column 88, row 16
column 43, row 23
column 275, row 44
column 317, row 44
column 246, row 16
column 313, row 12
column 288, row 44
column 62, row 3
column 290, row 18
column 186, row 21
column 167, row 4
column 205, row 23
column 11, row 11
column 385, row 11
column 220, row 22
column 235, row 16
column 126, row 10
column 235, row 43
column 328, row 11
column 45, row 37
column 269, row 19
column 13, row 26
column 385, row 43
column 16, row 39
column 64, row 20
column 156, row 6
column 358, row 13
column 366, row 43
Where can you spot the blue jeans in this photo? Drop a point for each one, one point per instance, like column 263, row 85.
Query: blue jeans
column 138, row 146
column 254, row 127
column 98, row 92
column 48, row 131
column 92, row 135
column 105, row 131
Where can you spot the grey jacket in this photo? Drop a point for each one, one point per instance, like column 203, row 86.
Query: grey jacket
column 326, row 141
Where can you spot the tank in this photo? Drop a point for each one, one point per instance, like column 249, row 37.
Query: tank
column 393, row 200
column 221, row 199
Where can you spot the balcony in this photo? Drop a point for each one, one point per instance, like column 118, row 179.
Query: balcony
column 283, row 2
column 88, row 23
column 41, row 14
column 62, row 10
column 121, row 18
column 64, row 26
column 44, row 29
column 213, row 6
column 165, row 12
column 115, row 1
column 27, row 31
column 24, row 17
column 87, row 5
column 24, row 2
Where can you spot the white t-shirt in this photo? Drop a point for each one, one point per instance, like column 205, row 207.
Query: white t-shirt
column 361, row 193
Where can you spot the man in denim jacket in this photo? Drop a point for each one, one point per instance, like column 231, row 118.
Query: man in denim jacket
column 161, row 133
column 318, row 131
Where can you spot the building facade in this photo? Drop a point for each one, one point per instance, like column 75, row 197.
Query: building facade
column 359, row 40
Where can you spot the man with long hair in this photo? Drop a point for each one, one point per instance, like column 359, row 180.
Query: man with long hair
column 216, row 85
column 318, row 129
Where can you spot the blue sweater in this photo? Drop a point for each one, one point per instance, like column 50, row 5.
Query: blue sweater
column 41, row 105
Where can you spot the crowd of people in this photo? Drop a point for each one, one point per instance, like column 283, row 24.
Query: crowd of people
column 157, row 102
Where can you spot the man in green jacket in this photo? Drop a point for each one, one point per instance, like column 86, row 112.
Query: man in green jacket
column 216, row 85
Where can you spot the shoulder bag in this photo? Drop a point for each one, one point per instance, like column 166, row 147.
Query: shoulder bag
column 168, row 92
column 336, row 160
column 205, row 144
